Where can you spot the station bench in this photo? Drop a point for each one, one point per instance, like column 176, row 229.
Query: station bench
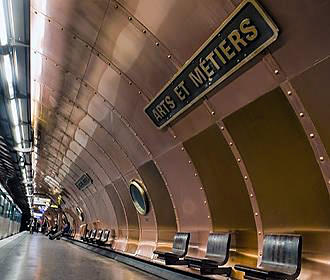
column 104, row 238
column 86, row 236
column 92, row 236
column 281, row 259
column 97, row 236
column 179, row 250
column 217, row 255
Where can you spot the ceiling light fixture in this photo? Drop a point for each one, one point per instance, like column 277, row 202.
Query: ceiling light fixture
column 3, row 25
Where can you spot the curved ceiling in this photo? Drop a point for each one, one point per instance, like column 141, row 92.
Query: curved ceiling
column 249, row 158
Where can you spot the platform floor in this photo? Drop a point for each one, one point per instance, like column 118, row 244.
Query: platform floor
column 35, row 257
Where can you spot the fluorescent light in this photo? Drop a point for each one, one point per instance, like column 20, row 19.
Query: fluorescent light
column 11, row 18
column 14, row 112
column 3, row 25
column 20, row 106
column 9, row 74
column 18, row 136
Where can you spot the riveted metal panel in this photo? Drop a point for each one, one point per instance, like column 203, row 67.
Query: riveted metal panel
column 113, row 150
column 117, row 91
column 83, row 17
column 192, row 122
column 107, row 164
column 304, row 36
column 313, row 88
column 166, row 223
column 99, row 169
column 224, row 187
column 53, row 77
column 133, row 52
column 77, row 115
column 83, row 98
column 192, row 212
column 247, row 86
column 132, row 219
column 67, row 52
column 121, row 234
column 122, row 133
column 194, row 20
column 281, row 165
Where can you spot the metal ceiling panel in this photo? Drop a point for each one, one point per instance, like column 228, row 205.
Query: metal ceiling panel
column 128, row 141
column 113, row 150
column 133, row 52
column 116, row 90
column 47, row 73
column 183, row 26
column 246, row 87
column 296, row 19
column 69, row 52
column 83, row 17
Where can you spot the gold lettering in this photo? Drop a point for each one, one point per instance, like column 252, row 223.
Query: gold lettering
column 160, row 111
column 235, row 38
column 226, row 50
column 197, row 77
column 246, row 28
column 211, row 58
column 156, row 115
column 163, row 105
column 181, row 91
column 206, row 68
column 170, row 102
column 220, row 56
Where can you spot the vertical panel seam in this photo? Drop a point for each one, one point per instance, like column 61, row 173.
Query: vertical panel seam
column 248, row 184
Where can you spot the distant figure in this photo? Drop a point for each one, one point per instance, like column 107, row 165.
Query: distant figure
column 66, row 229
column 31, row 225
column 44, row 227
column 37, row 227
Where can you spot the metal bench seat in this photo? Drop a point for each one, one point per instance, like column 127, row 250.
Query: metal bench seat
column 179, row 250
column 104, row 238
column 92, row 236
column 86, row 236
column 98, row 236
column 281, row 259
column 217, row 254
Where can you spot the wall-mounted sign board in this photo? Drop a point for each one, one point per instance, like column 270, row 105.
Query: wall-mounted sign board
column 83, row 182
column 244, row 34
column 41, row 201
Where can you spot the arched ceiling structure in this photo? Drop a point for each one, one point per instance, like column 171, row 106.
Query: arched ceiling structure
column 251, row 157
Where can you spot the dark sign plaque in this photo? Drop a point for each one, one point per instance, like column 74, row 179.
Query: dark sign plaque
column 83, row 182
column 244, row 34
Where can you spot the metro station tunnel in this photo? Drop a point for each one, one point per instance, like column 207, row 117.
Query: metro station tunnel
column 164, row 139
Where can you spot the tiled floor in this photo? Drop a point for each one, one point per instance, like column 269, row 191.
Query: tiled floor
column 35, row 257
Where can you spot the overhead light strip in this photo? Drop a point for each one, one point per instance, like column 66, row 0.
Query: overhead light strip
column 3, row 25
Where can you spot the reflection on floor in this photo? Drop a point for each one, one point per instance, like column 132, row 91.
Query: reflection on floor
column 35, row 257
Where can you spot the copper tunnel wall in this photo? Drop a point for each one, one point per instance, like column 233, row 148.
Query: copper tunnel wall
column 250, row 158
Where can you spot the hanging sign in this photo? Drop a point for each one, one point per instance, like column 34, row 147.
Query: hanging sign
column 244, row 34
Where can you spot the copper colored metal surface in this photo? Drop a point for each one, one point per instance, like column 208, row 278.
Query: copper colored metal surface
column 95, row 65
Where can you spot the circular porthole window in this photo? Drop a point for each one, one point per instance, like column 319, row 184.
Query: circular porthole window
column 139, row 197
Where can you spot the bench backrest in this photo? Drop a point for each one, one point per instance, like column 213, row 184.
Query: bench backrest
column 93, row 234
column 105, row 235
column 99, row 234
column 282, row 253
column 88, row 233
column 218, row 245
column 180, row 243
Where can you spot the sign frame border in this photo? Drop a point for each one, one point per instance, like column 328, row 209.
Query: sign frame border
column 267, row 19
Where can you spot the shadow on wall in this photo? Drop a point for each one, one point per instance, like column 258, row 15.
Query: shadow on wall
column 287, row 180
